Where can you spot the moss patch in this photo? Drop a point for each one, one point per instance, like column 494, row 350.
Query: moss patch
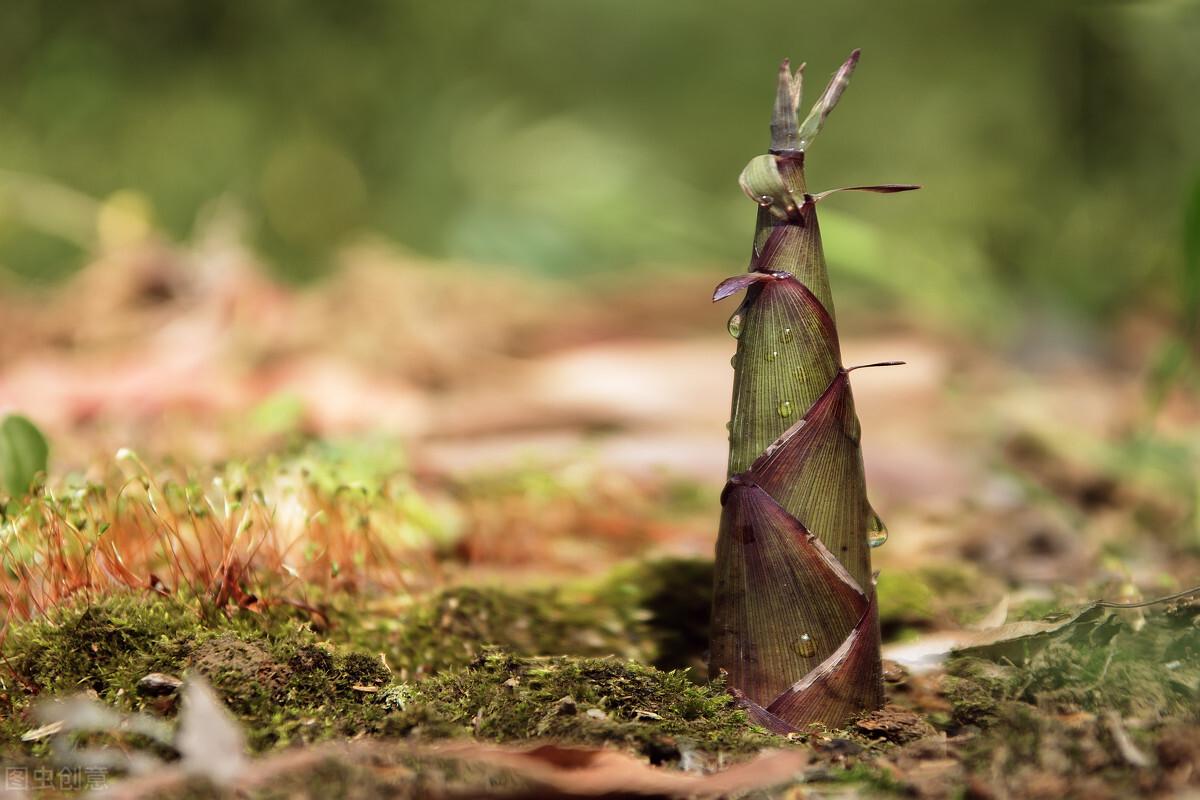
column 502, row 697
column 667, row 601
column 273, row 673
column 655, row 612
column 286, row 685
column 451, row 628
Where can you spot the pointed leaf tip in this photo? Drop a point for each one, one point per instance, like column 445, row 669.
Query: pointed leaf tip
column 877, row 364
column 760, row 716
column 785, row 118
column 829, row 98
column 882, row 188
column 731, row 286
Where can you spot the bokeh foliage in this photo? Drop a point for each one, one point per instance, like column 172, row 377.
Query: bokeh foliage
column 1056, row 141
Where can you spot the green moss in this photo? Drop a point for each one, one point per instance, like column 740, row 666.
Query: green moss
column 451, row 628
column 272, row 672
column 667, row 601
column 501, row 697
column 871, row 780
column 656, row 612
column 905, row 598
column 975, row 688
column 287, row 685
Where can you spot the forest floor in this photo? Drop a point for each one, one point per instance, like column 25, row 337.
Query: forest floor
column 425, row 531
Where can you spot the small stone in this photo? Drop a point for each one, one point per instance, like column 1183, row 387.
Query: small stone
column 158, row 684
column 896, row 724
column 839, row 747
column 566, row 706
column 596, row 713
column 894, row 672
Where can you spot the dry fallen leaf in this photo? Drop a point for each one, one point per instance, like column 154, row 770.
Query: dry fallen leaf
column 553, row 771
column 209, row 741
column 582, row 772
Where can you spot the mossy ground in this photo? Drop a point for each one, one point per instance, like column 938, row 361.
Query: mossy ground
column 504, row 698
column 591, row 663
column 455, row 655
column 1144, row 669
column 272, row 672
column 1048, row 722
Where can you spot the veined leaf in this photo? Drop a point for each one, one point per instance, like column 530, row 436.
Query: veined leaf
column 797, row 249
column 829, row 98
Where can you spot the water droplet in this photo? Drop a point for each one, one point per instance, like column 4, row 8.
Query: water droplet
column 735, row 325
column 765, row 200
column 729, row 425
column 877, row 532
column 786, row 336
column 806, row 646
column 733, row 361
column 785, row 408
column 771, row 356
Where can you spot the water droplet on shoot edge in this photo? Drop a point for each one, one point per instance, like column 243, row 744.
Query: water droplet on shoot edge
column 765, row 200
column 877, row 532
column 735, row 325
column 806, row 646
column 785, row 408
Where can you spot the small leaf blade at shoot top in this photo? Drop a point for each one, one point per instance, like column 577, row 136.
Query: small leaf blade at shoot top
column 880, row 188
column 24, row 453
column 829, row 99
column 785, row 133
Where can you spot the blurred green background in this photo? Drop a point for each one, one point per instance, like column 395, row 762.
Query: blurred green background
column 1057, row 142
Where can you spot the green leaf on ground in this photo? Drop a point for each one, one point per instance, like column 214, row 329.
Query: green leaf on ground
column 23, row 454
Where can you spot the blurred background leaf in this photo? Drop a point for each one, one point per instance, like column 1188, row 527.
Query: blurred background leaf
column 1056, row 141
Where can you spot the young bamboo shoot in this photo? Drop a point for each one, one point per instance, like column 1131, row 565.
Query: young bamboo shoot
column 794, row 626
